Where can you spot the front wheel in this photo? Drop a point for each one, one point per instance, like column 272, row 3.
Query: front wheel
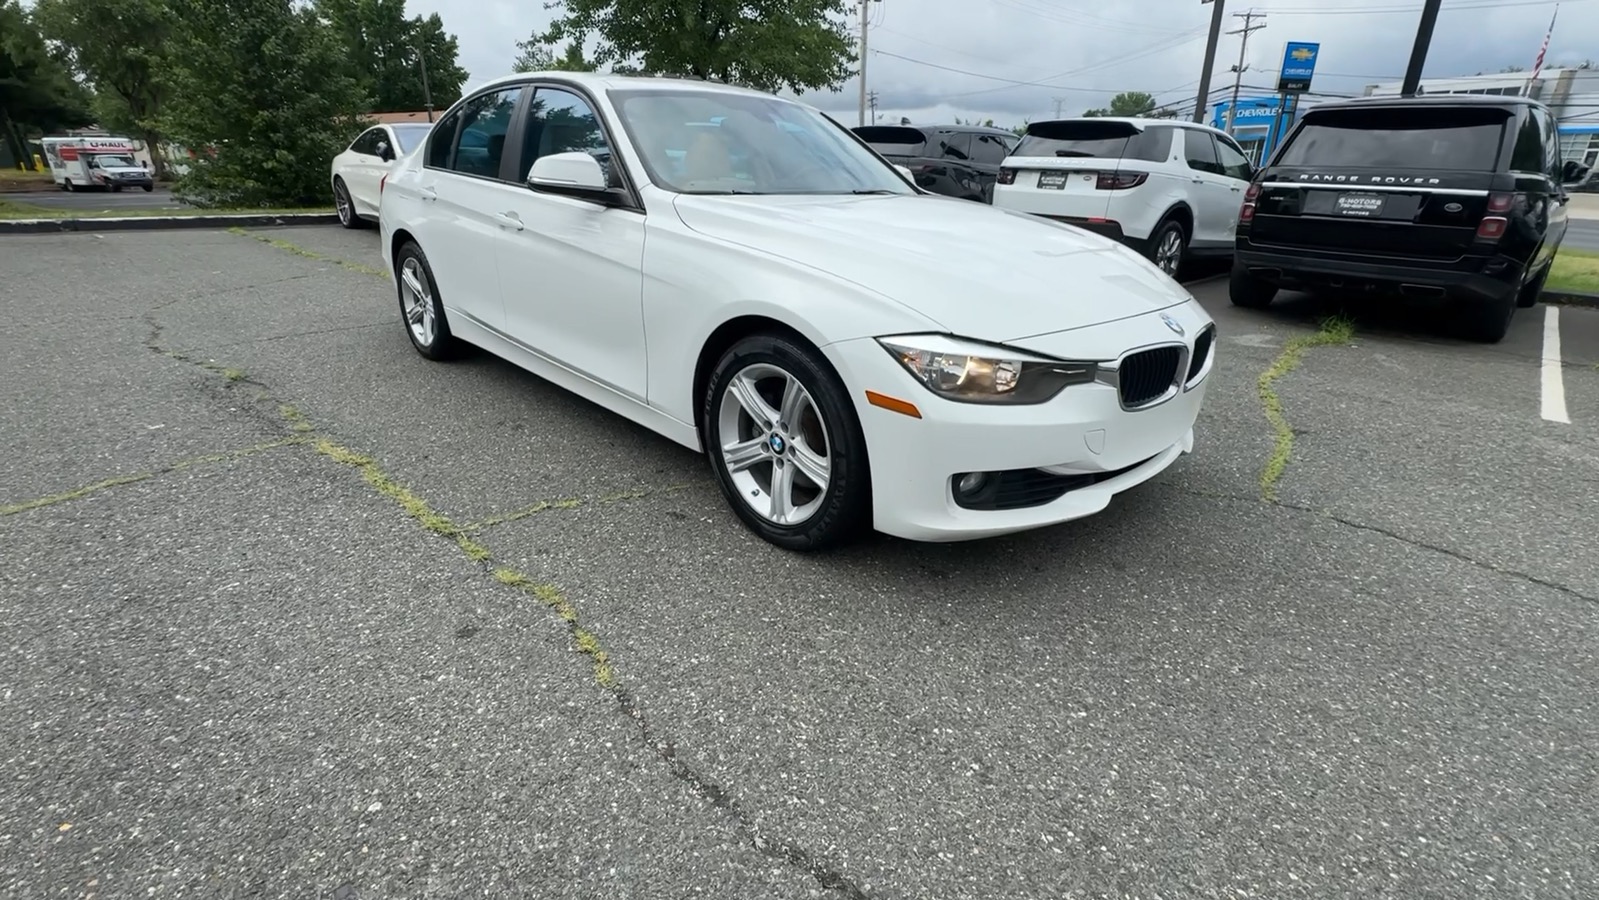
column 148, row 188
column 785, row 444
column 420, row 307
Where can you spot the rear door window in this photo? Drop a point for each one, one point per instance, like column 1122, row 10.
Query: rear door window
column 989, row 149
column 1410, row 137
column 956, row 145
column 1095, row 139
column 1200, row 151
column 1234, row 164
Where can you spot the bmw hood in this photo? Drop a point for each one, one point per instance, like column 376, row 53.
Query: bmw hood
column 978, row 271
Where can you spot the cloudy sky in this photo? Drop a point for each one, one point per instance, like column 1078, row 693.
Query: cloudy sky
column 1010, row 60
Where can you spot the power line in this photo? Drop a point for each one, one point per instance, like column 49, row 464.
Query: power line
column 1243, row 47
column 1011, row 82
column 1391, row 9
column 1160, row 47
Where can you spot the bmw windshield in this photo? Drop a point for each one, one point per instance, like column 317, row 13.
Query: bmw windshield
column 720, row 142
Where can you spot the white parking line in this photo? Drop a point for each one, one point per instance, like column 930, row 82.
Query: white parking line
column 1554, row 387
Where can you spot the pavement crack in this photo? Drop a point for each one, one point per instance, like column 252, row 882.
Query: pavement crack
column 1333, row 331
column 297, row 250
column 1397, row 536
column 117, row 481
column 569, row 503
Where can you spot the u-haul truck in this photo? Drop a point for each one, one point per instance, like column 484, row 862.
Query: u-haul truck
column 99, row 163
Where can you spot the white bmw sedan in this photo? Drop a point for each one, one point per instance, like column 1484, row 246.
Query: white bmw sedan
column 740, row 274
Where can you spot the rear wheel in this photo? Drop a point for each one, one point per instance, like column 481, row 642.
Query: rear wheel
column 1249, row 291
column 420, row 306
column 345, row 207
column 785, row 445
column 1168, row 246
column 148, row 188
column 69, row 186
column 1487, row 321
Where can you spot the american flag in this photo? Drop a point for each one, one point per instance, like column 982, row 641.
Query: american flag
column 1537, row 65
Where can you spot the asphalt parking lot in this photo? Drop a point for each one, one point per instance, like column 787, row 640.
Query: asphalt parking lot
column 135, row 198
column 288, row 611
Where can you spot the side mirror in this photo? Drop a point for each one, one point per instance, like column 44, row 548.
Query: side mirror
column 385, row 152
column 574, row 174
column 905, row 172
column 1573, row 173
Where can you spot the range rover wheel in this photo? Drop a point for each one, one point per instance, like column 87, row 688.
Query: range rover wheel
column 1532, row 289
column 1249, row 291
column 785, row 444
column 1168, row 246
column 420, row 307
column 1487, row 321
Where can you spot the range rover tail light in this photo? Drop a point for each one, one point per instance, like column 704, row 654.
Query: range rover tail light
column 1494, row 225
column 1246, row 212
column 1007, row 176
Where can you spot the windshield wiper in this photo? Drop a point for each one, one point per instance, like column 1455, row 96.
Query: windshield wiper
column 874, row 191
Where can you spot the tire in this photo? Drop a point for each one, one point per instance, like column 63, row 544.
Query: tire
column 421, row 312
column 344, row 205
column 1528, row 296
column 148, row 188
column 1487, row 321
column 116, row 188
column 68, row 186
column 768, row 368
column 1168, row 247
column 1248, row 291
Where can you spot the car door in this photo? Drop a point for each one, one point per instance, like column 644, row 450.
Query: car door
column 1559, row 198
column 1238, row 170
column 361, row 171
column 988, row 151
column 462, row 190
column 570, row 269
column 1209, row 191
column 953, row 168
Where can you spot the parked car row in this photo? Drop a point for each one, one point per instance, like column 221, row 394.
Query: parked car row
column 1453, row 198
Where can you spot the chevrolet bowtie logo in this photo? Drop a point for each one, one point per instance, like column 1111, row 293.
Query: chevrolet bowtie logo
column 1302, row 53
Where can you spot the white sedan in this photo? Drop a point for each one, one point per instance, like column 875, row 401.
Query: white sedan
column 740, row 274
column 358, row 171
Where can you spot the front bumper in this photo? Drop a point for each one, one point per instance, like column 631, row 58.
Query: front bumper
column 1083, row 431
column 1471, row 277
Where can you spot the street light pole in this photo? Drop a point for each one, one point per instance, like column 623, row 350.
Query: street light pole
column 865, row 7
column 1201, row 103
column 427, row 94
column 1418, row 52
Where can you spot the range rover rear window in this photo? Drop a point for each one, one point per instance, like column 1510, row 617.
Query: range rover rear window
column 892, row 140
column 1399, row 138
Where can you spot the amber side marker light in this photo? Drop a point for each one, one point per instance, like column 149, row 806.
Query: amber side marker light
column 893, row 404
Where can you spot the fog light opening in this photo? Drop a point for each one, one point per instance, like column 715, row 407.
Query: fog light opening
column 970, row 483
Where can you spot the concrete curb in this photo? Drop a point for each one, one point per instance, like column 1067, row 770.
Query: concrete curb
column 158, row 223
column 1569, row 298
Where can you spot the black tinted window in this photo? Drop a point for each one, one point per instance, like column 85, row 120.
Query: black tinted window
column 989, row 149
column 442, row 143
column 481, row 144
column 560, row 121
column 893, row 140
column 955, row 145
column 1096, row 140
column 1527, row 156
column 1200, row 151
column 1400, row 138
column 1551, row 143
column 368, row 142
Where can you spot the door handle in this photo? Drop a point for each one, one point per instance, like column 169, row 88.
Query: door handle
column 429, row 193
column 509, row 220
column 1237, row 189
column 1197, row 180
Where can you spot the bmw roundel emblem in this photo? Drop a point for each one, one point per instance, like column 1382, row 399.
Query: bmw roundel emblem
column 1172, row 323
column 776, row 443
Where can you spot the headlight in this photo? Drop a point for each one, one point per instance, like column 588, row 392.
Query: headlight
column 972, row 372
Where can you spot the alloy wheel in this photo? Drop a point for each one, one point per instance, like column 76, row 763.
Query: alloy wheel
column 774, row 444
column 418, row 302
column 1169, row 255
column 341, row 200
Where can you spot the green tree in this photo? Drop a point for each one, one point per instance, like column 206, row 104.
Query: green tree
column 764, row 44
column 384, row 52
column 37, row 90
column 535, row 56
column 1127, row 104
column 257, row 91
column 117, row 50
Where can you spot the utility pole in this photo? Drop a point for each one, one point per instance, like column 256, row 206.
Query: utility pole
column 871, row 100
column 1059, row 102
column 865, row 8
column 1418, row 52
column 427, row 94
column 1243, row 47
column 1203, row 102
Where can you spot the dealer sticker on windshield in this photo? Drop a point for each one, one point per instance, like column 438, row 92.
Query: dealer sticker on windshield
column 1365, row 206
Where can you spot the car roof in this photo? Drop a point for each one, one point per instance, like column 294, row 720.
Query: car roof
column 604, row 81
column 1140, row 122
column 1432, row 100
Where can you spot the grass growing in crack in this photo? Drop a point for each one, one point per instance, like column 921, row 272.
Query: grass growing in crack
column 1333, row 331
column 297, row 250
column 294, row 417
column 79, row 493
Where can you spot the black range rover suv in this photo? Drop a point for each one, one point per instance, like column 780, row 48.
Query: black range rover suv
column 1456, row 197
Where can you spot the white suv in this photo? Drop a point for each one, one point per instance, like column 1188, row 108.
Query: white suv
column 1169, row 189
